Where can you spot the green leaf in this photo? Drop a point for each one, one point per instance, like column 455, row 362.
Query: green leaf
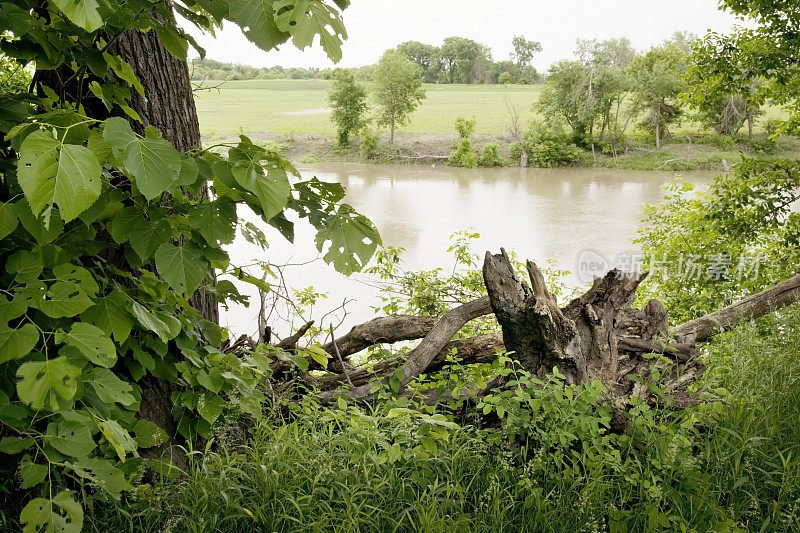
column 272, row 190
column 31, row 473
column 147, row 236
column 14, row 445
column 216, row 221
column 43, row 382
column 305, row 20
column 11, row 309
column 62, row 514
column 71, row 438
column 165, row 331
column 210, row 406
column 118, row 437
column 77, row 274
column 175, row 43
column 25, row 265
column 182, row 267
column 111, row 315
column 154, row 164
column 120, row 226
column 102, row 473
column 64, row 299
column 429, row 444
column 257, row 20
column 44, row 229
column 92, row 342
column 53, row 173
column 82, row 13
column 8, row 219
column 109, row 387
column 148, row 434
column 16, row 343
column 353, row 240
column 319, row 355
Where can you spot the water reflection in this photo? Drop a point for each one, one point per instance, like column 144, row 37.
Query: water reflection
column 543, row 214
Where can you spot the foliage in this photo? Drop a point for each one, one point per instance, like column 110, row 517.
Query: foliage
column 348, row 100
column 706, row 250
column 549, row 464
column 461, row 59
column 463, row 155
column 490, row 155
column 105, row 234
column 369, row 143
column 657, row 79
column 549, row 145
column 14, row 77
column 208, row 69
column 426, row 56
column 398, row 89
column 721, row 83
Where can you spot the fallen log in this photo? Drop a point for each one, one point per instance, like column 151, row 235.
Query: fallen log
column 754, row 306
column 420, row 357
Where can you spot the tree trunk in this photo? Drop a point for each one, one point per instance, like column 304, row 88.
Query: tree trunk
column 169, row 107
column 391, row 135
column 598, row 336
column 658, row 128
column 749, row 122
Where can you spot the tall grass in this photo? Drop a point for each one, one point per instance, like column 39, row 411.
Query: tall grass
column 724, row 466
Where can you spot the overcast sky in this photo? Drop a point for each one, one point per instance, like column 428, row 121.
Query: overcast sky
column 375, row 25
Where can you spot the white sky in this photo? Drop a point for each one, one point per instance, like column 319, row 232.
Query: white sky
column 375, row 25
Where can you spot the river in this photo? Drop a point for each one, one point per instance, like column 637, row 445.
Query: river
column 544, row 214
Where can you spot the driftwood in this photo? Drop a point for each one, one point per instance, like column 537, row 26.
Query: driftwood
column 597, row 336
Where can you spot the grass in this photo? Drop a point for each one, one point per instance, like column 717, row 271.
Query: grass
column 733, row 466
column 265, row 106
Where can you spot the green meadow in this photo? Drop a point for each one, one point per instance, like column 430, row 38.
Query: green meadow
column 297, row 106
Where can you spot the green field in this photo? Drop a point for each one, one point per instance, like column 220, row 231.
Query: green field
column 299, row 107
column 269, row 106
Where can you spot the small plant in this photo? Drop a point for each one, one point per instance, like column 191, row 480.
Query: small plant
column 369, row 142
column 490, row 156
column 463, row 155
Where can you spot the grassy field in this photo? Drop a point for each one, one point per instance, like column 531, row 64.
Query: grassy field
column 297, row 106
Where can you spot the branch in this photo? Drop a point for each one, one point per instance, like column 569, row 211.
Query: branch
column 421, row 357
column 389, row 329
column 754, row 306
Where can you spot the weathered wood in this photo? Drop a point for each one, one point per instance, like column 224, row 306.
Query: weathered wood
column 474, row 350
column 420, row 357
column 389, row 329
column 597, row 336
column 754, row 306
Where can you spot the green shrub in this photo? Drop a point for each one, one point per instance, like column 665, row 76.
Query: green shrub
column 369, row 143
column 463, row 155
column 550, row 145
column 515, row 150
column 490, row 156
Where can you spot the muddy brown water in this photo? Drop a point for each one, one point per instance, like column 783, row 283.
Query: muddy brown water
column 556, row 215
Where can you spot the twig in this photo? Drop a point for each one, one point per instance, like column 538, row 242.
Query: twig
column 339, row 357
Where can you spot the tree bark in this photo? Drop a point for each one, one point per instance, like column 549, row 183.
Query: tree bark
column 169, row 106
column 754, row 306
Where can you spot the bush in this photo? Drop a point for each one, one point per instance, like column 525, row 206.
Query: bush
column 369, row 142
column 463, row 155
column 706, row 250
column 490, row 156
column 515, row 150
column 551, row 146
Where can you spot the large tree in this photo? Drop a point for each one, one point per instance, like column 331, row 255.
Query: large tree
column 109, row 240
column 397, row 88
column 657, row 80
column 462, row 59
column 348, row 100
column 424, row 55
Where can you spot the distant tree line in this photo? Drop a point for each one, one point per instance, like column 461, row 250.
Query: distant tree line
column 458, row 60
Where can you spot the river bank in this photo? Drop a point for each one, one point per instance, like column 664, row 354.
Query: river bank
column 681, row 152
